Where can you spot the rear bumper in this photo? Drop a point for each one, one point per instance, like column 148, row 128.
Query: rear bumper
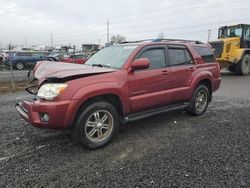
column 61, row 114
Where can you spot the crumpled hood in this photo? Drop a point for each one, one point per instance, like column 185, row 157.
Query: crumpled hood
column 47, row 69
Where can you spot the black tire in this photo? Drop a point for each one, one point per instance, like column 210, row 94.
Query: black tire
column 193, row 107
column 231, row 68
column 243, row 67
column 82, row 132
column 19, row 66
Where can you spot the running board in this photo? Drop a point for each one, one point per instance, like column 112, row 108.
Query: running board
column 151, row 112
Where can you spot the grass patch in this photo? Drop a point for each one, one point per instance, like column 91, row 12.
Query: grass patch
column 6, row 86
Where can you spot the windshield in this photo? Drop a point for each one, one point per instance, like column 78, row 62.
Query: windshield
column 112, row 56
column 230, row 32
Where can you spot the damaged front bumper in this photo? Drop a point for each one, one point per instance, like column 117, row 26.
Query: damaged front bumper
column 47, row 114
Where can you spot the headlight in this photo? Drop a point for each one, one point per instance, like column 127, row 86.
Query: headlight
column 50, row 91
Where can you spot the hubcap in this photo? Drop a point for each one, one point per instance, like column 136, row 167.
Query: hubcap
column 99, row 125
column 19, row 66
column 201, row 101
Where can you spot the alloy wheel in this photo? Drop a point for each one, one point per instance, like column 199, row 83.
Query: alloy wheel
column 201, row 100
column 99, row 125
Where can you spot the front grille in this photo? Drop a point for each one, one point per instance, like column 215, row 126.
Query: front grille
column 217, row 47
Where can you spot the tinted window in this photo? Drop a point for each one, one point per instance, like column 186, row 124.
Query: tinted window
column 156, row 57
column 177, row 56
column 206, row 54
column 247, row 33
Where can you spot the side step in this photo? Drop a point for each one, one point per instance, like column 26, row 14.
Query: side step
column 151, row 112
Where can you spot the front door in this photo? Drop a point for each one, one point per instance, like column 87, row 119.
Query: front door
column 146, row 88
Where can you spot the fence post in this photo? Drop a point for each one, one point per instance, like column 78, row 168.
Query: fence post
column 11, row 70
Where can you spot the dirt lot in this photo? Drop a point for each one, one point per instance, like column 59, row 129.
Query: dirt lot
column 8, row 86
column 170, row 150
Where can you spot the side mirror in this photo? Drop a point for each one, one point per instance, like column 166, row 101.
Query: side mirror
column 141, row 63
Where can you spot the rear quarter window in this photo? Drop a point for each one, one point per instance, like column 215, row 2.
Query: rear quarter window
column 206, row 53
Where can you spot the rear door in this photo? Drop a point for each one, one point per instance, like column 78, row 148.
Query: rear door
column 182, row 67
column 146, row 88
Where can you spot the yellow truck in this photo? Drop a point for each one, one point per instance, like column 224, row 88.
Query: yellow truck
column 232, row 49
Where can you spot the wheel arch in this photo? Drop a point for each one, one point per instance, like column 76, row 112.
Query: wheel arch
column 203, row 78
column 111, row 98
column 208, row 84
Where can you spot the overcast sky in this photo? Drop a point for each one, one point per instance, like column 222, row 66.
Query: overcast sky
column 84, row 21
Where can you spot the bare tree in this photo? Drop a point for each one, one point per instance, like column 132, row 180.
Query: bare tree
column 117, row 39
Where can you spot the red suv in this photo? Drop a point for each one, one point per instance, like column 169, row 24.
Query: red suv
column 122, row 83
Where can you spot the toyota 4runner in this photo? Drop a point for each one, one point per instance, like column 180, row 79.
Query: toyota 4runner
column 121, row 83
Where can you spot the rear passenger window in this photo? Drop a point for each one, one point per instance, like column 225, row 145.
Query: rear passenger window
column 179, row 56
column 206, row 54
column 156, row 57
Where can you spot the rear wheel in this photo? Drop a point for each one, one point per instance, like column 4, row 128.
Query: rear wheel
column 199, row 102
column 243, row 67
column 96, row 125
column 20, row 66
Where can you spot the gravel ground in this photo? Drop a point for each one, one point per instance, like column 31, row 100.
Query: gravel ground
column 168, row 150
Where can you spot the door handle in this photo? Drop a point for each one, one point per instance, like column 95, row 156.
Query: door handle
column 192, row 68
column 164, row 72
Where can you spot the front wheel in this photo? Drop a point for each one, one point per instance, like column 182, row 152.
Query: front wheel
column 243, row 67
column 199, row 102
column 96, row 125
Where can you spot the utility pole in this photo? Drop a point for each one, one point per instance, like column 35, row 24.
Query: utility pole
column 107, row 31
column 51, row 39
column 74, row 53
column 209, row 34
column 161, row 35
column 25, row 41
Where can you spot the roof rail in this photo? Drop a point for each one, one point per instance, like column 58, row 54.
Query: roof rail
column 136, row 41
column 163, row 40
column 180, row 40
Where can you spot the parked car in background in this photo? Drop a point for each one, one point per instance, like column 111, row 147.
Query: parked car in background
column 77, row 58
column 122, row 83
column 22, row 59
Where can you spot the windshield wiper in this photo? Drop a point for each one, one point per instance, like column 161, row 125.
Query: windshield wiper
column 100, row 65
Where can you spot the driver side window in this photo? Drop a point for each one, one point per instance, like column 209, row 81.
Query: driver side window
column 156, row 57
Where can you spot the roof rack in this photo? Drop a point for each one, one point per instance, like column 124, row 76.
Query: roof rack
column 164, row 40
column 179, row 40
column 137, row 41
